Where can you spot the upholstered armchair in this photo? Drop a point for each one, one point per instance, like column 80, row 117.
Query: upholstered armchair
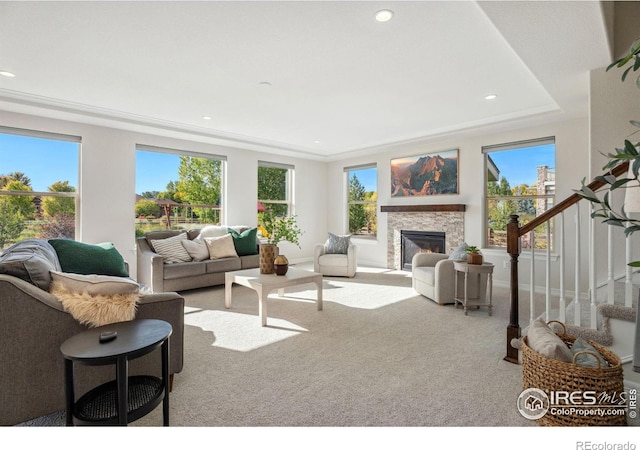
column 434, row 277
column 335, row 264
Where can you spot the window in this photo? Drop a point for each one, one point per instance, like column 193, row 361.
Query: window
column 521, row 180
column 177, row 189
column 274, row 189
column 362, row 203
column 38, row 183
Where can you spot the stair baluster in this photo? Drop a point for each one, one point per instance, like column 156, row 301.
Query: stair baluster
column 515, row 232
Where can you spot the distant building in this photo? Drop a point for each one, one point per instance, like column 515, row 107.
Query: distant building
column 546, row 185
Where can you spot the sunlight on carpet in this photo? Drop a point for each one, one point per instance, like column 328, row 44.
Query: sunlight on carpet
column 239, row 331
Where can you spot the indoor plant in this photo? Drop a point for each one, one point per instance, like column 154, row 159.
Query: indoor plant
column 279, row 229
column 473, row 255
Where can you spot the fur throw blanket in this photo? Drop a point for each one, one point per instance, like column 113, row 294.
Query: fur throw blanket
column 96, row 310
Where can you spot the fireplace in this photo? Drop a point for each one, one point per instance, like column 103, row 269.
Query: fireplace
column 413, row 242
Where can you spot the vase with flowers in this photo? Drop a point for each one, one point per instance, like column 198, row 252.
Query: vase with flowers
column 279, row 229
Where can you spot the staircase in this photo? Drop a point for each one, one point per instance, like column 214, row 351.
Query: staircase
column 602, row 312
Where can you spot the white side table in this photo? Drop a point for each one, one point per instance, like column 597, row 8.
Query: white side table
column 482, row 274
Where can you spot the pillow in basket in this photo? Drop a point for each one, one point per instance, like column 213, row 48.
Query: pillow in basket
column 542, row 339
column 587, row 359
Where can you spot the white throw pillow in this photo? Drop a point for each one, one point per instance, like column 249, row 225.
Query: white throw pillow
column 197, row 249
column 221, row 247
column 542, row 339
column 171, row 249
column 95, row 284
column 460, row 253
column 212, row 231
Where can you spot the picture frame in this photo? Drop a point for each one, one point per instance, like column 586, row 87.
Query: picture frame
column 427, row 174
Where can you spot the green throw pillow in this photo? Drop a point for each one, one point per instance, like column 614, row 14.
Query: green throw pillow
column 245, row 242
column 89, row 259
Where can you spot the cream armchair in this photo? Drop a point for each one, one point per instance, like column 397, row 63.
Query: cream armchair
column 335, row 264
column 434, row 277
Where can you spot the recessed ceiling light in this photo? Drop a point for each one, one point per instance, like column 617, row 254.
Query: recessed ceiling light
column 206, row 117
column 265, row 83
column 316, row 142
column 490, row 97
column 4, row 73
column 384, row 15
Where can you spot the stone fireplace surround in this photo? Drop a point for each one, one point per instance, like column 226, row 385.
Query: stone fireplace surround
column 445, row 218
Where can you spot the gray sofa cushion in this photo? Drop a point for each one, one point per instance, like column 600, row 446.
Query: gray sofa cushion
column 223, row 265
column 183, row 270
column 31, row 260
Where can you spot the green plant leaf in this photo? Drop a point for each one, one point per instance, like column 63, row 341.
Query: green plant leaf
column 620, row 182
column 634, row 264
column 630, row 148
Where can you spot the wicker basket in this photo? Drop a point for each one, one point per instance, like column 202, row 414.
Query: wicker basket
column 551, row 375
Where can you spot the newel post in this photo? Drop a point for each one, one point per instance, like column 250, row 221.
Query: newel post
column 513, row 248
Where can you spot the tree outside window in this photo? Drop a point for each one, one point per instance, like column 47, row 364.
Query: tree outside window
column 362, row 201
column 520, row 180
column 176, row 189
column 274, row 191
column 37, row 198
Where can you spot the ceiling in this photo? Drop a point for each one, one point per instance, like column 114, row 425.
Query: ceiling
column 315, row 79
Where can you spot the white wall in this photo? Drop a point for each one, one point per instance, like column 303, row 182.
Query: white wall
column 572, row 156
column 107, row 183
column 613, row 104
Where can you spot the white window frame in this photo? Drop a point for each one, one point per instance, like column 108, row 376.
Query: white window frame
column 348, row 202
column 54, row 137
column 179, row 152
column 487, row 151
column 288, row 188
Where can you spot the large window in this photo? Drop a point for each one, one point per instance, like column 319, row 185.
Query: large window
column 38, row 185
column 274, row 189
column 362, row 200
column 521, row 180
column 177, row 189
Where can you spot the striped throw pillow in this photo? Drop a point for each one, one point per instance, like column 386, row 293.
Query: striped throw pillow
column 171, row 249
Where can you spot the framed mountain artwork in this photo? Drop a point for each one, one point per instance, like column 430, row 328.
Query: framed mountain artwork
column 429, row 174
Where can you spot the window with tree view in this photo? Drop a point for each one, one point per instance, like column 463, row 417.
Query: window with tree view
column 521, row 180
column 274, row 190
column 38, row 180
column 362, row 200
column 176, row 190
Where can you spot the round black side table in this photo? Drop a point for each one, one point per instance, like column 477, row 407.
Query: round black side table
column 124, row 399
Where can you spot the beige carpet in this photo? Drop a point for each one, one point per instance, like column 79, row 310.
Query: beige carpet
column 378, row 355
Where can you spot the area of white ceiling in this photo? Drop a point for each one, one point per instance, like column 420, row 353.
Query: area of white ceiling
column 320, row 79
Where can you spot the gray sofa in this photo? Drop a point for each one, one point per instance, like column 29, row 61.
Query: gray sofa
column 160, row 276
column 34, row 324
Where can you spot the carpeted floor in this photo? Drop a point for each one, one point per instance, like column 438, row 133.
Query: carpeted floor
column 378, row 355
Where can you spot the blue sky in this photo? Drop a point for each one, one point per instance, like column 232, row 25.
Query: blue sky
column 520, row 166
column 155, row 170
column 44, row 161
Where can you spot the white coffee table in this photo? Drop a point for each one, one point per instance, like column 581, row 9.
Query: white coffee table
column 263, row 284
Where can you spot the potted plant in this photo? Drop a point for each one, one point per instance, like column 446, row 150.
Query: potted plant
column 279, row 229
column 473, row 255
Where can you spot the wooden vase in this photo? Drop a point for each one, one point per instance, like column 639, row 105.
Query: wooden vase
column 268, row 253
